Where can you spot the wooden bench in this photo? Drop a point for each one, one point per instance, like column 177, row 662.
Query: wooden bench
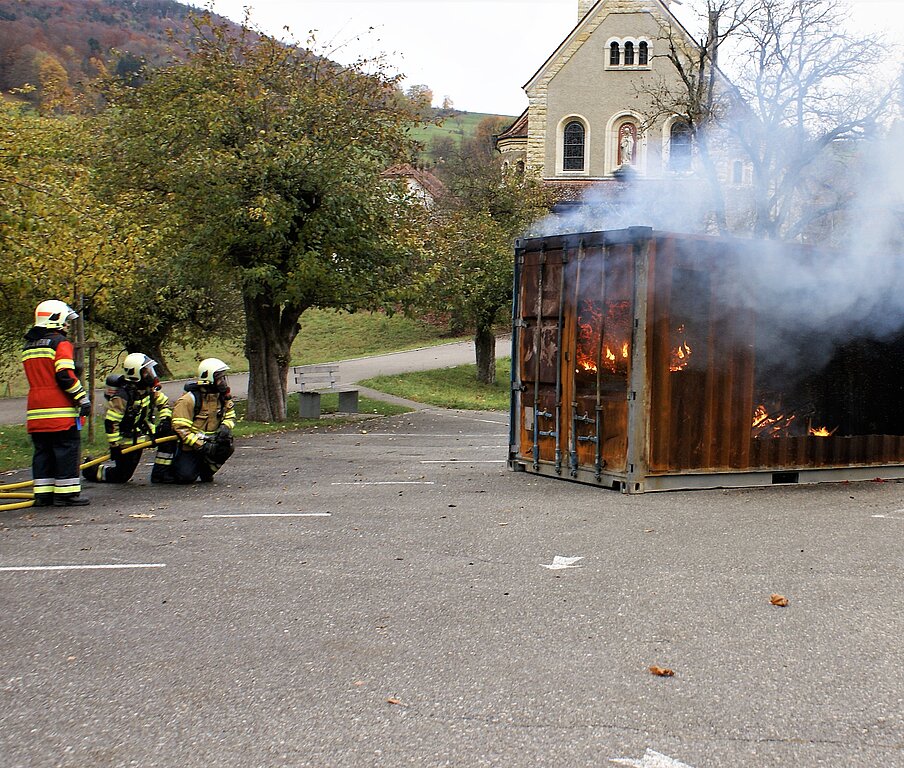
column 311, row 380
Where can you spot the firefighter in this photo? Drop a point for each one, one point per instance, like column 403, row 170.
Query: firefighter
column 57, row 402
column 203, row 418
column 137, row 409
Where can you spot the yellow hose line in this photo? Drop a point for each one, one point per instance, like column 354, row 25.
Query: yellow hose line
column 20, row 505
column 16, row 486
column 17, row 495
column 92, row 463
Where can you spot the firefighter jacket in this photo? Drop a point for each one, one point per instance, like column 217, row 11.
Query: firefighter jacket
column 54, row 392
column 199, row 412
column 134, row 411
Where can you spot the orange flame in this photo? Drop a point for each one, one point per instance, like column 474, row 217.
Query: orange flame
column 601, row 328
column 766, row 425
column 821, row 431
column 681, row 353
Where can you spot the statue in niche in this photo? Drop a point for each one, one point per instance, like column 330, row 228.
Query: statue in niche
column 626, row 144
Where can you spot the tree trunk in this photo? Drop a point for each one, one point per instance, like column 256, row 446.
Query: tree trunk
column 155, row 352
column 485, row 349
column 269, row 334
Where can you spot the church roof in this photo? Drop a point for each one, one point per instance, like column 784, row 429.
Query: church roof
column 570, row 44
column 517, row 130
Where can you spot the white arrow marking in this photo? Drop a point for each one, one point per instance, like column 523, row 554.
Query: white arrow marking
column 651, row 759
column 559, row 562
column 889, row 517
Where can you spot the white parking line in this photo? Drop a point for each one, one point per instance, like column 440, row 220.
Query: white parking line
column 388, row 482
column 462, row 461
column 80, row 567
column 276, row 514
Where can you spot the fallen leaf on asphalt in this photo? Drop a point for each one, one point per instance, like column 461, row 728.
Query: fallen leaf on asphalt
column 661, row 671
column 141, row 516
column 779, row 600
column 649, row 530
column 395, row 701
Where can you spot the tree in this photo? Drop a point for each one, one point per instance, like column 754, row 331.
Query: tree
column 799, row 91
column 472, row 244
column 422, row 98
column 57, row 239
column 273, row 157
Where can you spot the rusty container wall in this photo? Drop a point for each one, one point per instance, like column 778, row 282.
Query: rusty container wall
column 636, row 366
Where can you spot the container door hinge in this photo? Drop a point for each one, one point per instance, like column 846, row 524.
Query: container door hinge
column 520, row 323
column 632, row 395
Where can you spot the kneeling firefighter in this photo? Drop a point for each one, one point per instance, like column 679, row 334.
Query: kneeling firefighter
column 203, row 418
column 137, row 409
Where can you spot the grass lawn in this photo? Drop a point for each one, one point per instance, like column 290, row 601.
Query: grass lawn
column 450, row 387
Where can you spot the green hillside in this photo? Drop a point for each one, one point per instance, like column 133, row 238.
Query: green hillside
column 457, row 127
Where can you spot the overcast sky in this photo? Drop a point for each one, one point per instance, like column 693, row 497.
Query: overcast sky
column 479, row 53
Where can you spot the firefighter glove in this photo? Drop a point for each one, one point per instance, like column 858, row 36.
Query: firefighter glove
column 84, row 408
column 164, row 428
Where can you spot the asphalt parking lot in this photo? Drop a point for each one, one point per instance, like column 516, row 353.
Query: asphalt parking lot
column 377, row 595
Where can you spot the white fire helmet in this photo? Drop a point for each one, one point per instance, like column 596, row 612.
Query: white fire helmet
column 209, row 368
column 54, row 314
column 135, row 363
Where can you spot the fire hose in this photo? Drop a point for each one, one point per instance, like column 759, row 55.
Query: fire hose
column 12, row 490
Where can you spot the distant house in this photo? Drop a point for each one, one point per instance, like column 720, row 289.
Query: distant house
column 422, row 185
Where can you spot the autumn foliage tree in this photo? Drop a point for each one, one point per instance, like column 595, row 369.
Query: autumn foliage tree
column 273, row 157
column 471, row 247
column 57, row 238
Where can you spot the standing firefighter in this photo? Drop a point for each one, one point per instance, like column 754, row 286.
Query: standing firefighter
column 56, row 402
column 137, row 409
column 203, row 418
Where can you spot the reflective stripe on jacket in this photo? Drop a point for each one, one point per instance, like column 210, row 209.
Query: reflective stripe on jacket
column 132, row 414
column 54, row 391
column 213, row 409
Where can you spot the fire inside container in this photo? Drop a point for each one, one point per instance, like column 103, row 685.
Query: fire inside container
column 647, row 361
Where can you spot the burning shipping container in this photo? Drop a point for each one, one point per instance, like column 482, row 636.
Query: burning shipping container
column 647, row 361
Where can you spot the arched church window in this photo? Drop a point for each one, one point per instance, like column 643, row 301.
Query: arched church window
column 629, row 54
column 573, row 147
column 680, row 147
column 643, row 54
column 614, row 55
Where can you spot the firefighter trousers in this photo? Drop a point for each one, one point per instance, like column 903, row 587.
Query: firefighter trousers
column 120, row 471
column 54, row 466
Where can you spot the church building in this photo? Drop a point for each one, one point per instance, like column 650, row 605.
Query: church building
column 590, row 116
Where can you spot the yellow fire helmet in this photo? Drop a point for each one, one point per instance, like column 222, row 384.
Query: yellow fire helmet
column 209, row 368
